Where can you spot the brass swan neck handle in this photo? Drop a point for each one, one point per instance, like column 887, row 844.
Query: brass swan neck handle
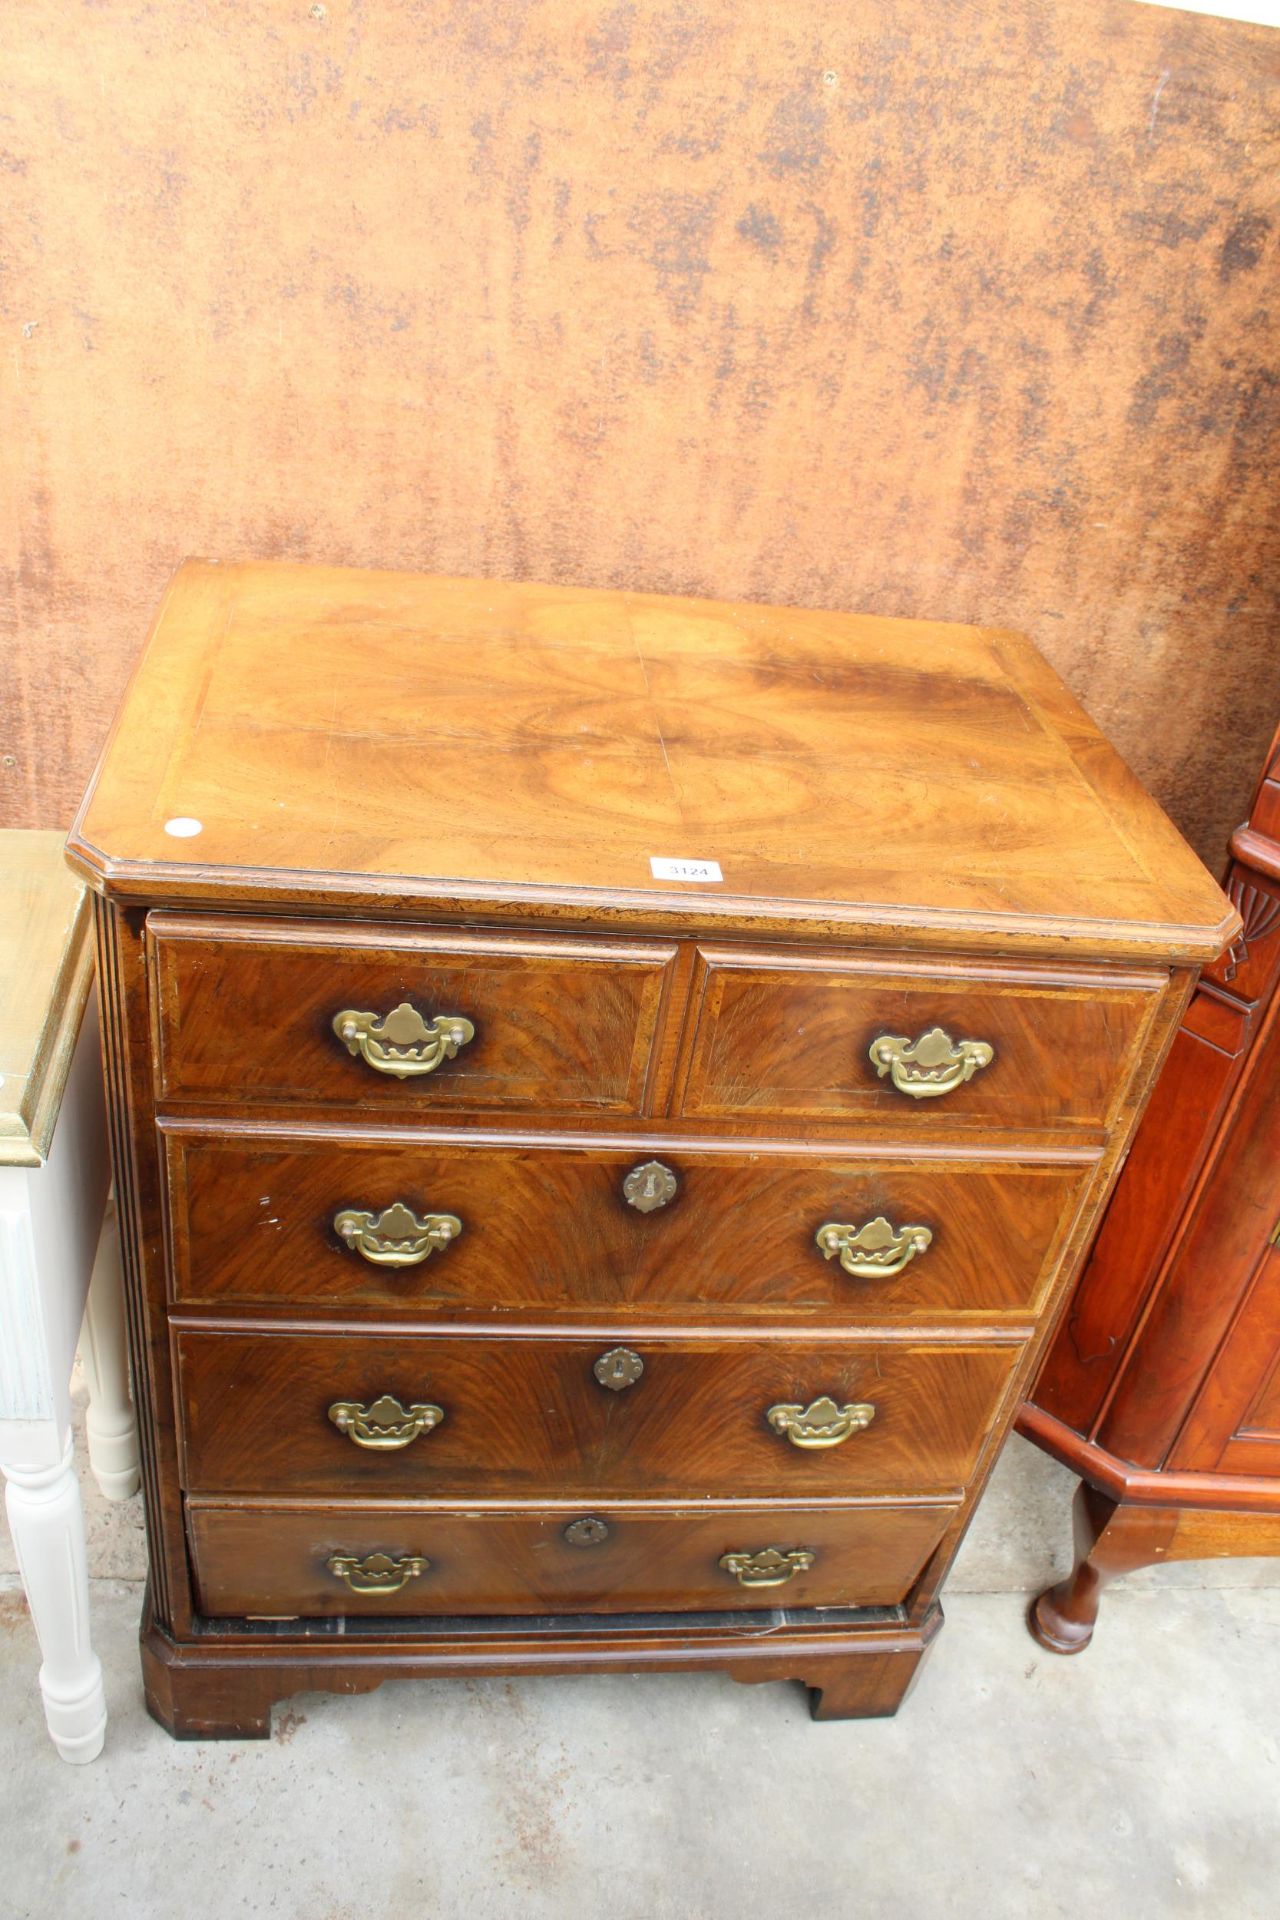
column 396, row 1237
column 384, row 1426
column 822, row 1423
column 377, row 1572
column 874, row 1252
column 933, row 1064
column 768, row 1566
column 401, row 1042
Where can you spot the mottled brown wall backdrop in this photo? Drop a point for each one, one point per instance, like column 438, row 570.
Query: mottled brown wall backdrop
column 968, row 311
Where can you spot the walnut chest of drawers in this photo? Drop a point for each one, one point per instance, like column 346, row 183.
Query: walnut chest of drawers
column 608, row 1095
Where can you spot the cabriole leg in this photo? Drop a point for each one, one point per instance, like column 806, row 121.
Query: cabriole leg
column 1110, row 1539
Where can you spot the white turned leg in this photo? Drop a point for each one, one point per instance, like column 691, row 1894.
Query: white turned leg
column 47, row 1523
column 110, row 1425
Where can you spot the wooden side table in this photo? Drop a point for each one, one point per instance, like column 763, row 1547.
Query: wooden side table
column 1162, row 1388
column 59, row 1266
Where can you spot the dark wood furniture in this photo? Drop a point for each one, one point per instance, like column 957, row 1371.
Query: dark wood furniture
column 608, row 1093
column 1162, row 1388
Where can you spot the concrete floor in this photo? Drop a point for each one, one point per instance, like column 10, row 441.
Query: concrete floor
column 1142, row 1779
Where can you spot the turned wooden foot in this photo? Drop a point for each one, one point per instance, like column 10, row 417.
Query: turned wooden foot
column 1110, row 1539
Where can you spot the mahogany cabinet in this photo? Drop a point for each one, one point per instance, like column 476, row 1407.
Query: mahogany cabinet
column 1162, row 1388
column 608, row 1094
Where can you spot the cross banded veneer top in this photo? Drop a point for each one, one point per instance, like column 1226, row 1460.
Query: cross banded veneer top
column 465, row 746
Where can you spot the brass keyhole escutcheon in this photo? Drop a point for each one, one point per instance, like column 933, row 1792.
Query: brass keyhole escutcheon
column 587, row 1532
column 649, row 1186
column 618, row 1368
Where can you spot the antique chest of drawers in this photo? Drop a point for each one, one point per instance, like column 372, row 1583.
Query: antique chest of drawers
column 608, row 1095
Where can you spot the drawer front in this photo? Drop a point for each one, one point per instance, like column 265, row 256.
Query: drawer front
column 245, row 1011
column 286, row 1561
column 311, row 1222
column 529, row 1418
column 1002, row 1047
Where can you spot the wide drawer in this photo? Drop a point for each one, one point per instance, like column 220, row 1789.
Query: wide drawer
column 314, row 1221
column 269, row 1411
column 379, row 1559
column 246, row 1011
column 955, row 1045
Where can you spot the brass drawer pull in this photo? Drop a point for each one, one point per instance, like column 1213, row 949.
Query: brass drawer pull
column 385, row 1426
column 649, row 1186
column 931, row 1065
column 618, row 1368
column 588, row 1532
column 874, row 1252
column 822, row 1423
column 377, row 1572
column 770, row 1567
column 396, row 1237
column 401, row 1042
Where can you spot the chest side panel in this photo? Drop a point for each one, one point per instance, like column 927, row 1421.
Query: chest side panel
column 1207, row 1278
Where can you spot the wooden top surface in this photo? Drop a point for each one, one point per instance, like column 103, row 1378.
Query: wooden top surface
column 393, row 742
column 46, row 966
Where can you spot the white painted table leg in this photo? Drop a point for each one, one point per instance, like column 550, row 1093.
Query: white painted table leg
column 47, row 1523
column 111, row 1428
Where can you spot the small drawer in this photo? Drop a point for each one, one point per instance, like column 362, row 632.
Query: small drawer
column 905, row 1046
column 432, row 1225
column 539, row 1417
column 290, row 1561
column 412, row 1021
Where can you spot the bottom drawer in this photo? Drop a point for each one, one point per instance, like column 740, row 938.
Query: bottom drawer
column 285, row 1561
